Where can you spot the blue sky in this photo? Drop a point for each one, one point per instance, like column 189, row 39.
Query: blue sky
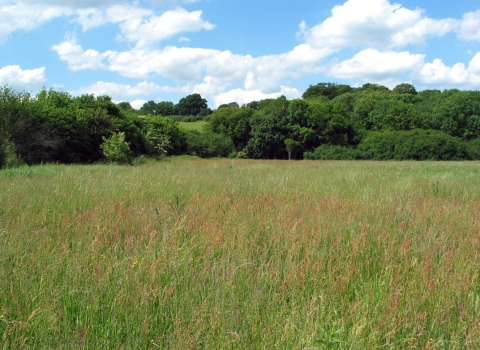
column 234, row 50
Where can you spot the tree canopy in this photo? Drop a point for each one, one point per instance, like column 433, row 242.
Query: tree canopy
column 331, row 120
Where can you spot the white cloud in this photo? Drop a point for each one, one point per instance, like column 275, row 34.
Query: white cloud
column 157, row 28
column 122, row 91
column 94, row 17
column 18, row 79
column 374, row 66
column 141, row 26
column 245, row 96
column 77, row 58
column 469, row 28
column 217, row 69
column 437, row 74
column 137, row 104
column 137, row 24
column 26, row 17
column 374, row 23
column 63, row 3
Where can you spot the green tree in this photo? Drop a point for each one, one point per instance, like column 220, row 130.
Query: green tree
column 415, row 144
column 327, row 90
column 116, row 149
column 405, row 89
column 124, row 105
column 30, row 135
column 165, row 108
column 208, row 144
column 291, row 146
column 3, row 152
column 269, row 130
column 149, row 107
column 233, row 122
column 191, row 105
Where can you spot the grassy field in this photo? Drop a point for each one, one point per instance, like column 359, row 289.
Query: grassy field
column 241, row 254
column 198, row 125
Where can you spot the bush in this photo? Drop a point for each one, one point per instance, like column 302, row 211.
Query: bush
column 116, row 149
column 3, row 153
column 208, row 144
column 8, row 157
column 415, row 144
column 333, row 152
column 473, row 148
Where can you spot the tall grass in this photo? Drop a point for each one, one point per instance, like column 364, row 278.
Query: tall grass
column 222, row 254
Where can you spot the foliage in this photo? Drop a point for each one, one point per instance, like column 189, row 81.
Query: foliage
column 333, row 152
column 116, row 149
column 269, row 129
column 415, row 144
column 233, row 122
column 191, row 105
column 405, row 89
column 54, row 126
column 3, row 152
column 30, row 133
column 208, row 144
column 473, row 148
column 328, row 90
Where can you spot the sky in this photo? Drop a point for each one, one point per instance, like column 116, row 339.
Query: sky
column 235, row 50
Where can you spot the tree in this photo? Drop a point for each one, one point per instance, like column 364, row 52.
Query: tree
column 191, row 105
column 124, row 105
column 30, row 135
column 3, row 153
column 165, row 108
column 291, row 146
column 328, row 90
column 149, row 107
column 229, row 105
column 405, row 89
column 269, row 130
column 116, row 149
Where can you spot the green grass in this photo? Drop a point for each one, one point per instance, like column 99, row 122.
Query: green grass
column 241, row 254
column 198, row 125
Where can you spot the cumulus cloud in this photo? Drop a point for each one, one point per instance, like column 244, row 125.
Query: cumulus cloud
column 122, row 91
column 137, row 104
column 469, row 26
column 141, row 26
column 137, row 24
column 63, row 3
column 19, row 79
column 157, row 28
column 374, row 66
column 437, row 74
column 218, row 69
column 376, row 24
column 94, row 17
column 242, row 96
column 26, row 17
column 77, row 58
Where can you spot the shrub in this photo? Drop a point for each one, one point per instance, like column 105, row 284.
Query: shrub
column 208, row 144
column 333, row 152
column 473, row 148
column 116, row 149
column 415, row 144
column 3, row 153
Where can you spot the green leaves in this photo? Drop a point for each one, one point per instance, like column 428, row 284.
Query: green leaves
column 116, row 149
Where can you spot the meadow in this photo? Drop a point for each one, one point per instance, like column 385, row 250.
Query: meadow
column 241, row 254
column 197, row 126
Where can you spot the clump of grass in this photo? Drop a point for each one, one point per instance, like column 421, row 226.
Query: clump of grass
column 240, row 254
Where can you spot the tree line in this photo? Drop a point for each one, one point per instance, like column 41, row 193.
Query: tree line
column 330, row 121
